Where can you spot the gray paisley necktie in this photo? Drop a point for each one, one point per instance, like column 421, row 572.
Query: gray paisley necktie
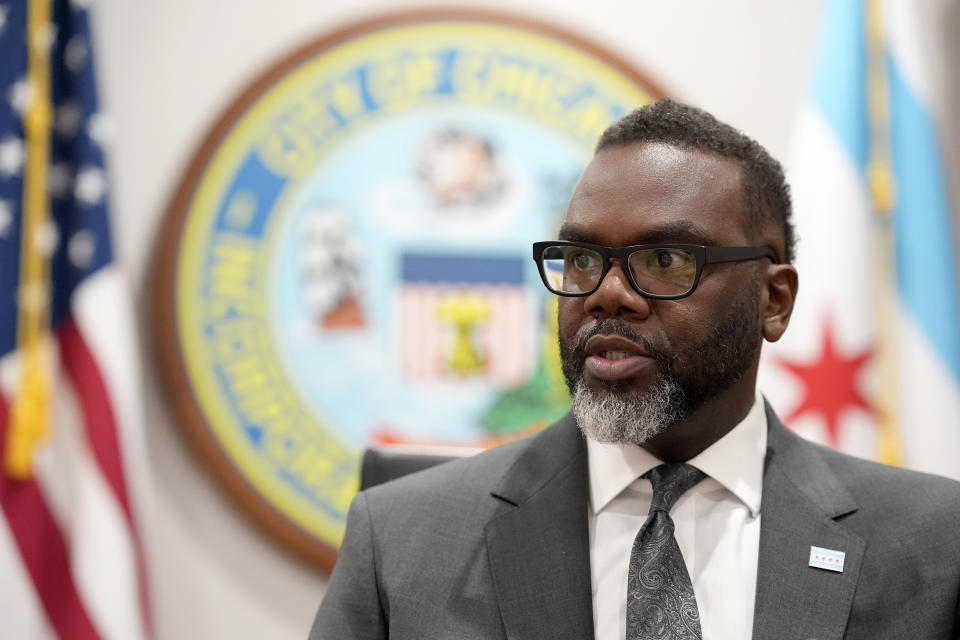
column 660, row 601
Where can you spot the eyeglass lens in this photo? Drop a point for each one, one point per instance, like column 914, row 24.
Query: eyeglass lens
column 658, row 271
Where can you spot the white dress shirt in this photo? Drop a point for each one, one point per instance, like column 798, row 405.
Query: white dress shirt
column 717, row 527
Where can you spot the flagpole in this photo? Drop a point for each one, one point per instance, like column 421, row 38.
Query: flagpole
column 882, row 186
column 30, row 410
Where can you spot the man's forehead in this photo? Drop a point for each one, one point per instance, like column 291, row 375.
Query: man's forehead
column 640, row 193
column 686, row 231
column 658, row 161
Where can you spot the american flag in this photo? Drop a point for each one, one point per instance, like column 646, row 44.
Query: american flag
column 72, row 561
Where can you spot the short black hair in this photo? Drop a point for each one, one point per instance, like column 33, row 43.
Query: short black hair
column 765, row 190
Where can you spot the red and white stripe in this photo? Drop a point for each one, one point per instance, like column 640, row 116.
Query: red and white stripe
column 503, row 339
column 71, row 550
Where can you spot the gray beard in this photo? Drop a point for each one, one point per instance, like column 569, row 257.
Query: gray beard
column 615, row 418
column 716, row 362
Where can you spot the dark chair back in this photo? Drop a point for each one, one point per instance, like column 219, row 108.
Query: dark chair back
column 381, row 465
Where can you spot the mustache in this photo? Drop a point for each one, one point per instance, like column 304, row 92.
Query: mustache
column 618, row 327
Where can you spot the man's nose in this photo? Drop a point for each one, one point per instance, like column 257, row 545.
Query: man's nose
column 616, row 296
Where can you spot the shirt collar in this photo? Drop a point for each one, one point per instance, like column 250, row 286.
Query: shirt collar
column 735, row 461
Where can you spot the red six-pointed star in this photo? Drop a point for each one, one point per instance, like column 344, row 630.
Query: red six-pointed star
column 830, row 384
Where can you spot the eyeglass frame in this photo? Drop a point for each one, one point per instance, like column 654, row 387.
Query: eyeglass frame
column 702, row 255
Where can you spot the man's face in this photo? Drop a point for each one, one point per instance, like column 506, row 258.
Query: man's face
column 636, row 365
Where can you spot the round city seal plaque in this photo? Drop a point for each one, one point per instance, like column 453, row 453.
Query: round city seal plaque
column 346, row 260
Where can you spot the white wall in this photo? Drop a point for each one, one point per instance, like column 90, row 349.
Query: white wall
column 168, row 67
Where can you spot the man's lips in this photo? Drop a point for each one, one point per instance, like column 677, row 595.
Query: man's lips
column 613, row 357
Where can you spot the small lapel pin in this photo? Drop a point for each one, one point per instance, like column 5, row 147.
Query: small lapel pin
column 827, row 559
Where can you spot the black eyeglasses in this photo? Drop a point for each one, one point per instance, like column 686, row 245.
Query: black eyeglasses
column 661, row 271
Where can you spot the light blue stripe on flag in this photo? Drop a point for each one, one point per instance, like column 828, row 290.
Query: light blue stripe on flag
column 926, row 260
column 840, row 82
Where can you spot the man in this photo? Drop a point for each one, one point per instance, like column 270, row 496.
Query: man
column 673, row 266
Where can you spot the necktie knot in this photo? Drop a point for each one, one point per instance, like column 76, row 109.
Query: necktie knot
column 670, row 481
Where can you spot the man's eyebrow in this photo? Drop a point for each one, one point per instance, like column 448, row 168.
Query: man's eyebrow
column 678, row 231
column 572, row 233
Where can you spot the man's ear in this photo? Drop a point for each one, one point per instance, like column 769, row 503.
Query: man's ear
column 780, row 292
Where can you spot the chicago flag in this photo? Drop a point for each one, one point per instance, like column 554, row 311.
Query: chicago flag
column 871, row 362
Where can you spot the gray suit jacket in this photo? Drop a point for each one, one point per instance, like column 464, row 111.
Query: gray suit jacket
column 496, row 546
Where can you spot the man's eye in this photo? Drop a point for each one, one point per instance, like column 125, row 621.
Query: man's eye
column 669, row 259
column 584, row 261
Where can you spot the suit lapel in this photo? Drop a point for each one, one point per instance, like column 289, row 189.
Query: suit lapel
column 802, row 500
column 539, row 547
